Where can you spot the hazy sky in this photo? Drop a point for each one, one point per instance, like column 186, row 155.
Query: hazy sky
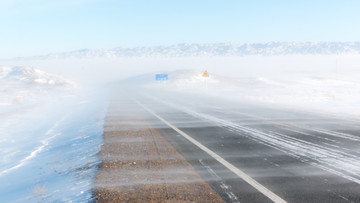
column 33, row 27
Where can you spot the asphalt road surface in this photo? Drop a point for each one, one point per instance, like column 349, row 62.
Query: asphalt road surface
column 253, row 153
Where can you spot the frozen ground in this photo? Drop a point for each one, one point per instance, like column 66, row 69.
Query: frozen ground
column 50, row 133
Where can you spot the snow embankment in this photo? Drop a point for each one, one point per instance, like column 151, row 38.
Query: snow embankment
column 24, row 84
column 334, row 94
column 32, row 76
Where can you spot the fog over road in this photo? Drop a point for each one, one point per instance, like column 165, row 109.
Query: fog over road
column 264, row 153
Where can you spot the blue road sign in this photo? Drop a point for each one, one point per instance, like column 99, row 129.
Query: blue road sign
column 161, row 77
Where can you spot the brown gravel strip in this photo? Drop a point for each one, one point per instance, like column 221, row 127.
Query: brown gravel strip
column 139, row 165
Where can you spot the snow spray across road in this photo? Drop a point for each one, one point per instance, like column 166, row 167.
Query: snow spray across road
column 334, row 160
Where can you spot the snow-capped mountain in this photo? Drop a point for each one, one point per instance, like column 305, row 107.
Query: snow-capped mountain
column 219, row 49
column 31, row 76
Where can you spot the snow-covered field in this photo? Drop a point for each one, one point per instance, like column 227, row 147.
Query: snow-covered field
column 50, row 133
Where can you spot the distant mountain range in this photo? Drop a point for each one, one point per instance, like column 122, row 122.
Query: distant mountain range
column 219, row 49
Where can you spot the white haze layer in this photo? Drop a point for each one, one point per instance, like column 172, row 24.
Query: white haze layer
column 326, row 83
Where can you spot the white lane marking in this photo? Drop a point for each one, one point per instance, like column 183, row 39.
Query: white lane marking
column 238, row 172
column 225, row 187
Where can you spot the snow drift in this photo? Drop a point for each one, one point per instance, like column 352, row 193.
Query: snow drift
column 25, row 84
column 32, row 76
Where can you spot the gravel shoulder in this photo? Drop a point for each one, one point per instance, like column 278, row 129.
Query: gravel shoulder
column 139, row 165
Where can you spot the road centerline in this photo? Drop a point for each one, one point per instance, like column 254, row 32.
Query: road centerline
column 262, row 189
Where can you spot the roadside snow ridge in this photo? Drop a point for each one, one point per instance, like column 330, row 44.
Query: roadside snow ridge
column 32, row 76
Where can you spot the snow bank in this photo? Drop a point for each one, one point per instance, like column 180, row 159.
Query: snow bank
column 25, row 84
column 32, row 76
